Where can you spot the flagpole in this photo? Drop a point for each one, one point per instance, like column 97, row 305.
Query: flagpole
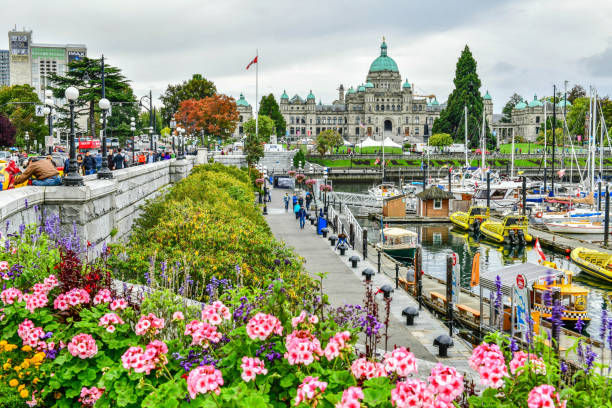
column 257, row 94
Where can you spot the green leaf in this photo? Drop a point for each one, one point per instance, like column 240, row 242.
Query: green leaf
column 375, row 396
column 287, row 381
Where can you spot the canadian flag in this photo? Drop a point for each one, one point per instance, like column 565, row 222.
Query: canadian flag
column 538, row 248
column 252, row 62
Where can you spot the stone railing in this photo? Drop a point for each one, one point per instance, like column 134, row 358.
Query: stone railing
column 101, row 210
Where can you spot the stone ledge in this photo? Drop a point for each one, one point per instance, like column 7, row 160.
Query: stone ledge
column 14, row 201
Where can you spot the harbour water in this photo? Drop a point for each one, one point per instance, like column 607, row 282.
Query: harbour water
column 439, row 240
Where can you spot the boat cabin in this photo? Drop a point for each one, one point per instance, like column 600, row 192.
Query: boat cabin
column 515, row 221
column 434, row 202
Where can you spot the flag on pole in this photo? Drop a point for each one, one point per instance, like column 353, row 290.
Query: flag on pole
column 561, row 173
column 362, row 125
column 252, row 62
column 538, row 249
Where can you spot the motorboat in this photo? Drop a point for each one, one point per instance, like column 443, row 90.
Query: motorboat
column 577, row 227
column 511, row 231
column 382, row 191
column 399, row 243
column 577, row 214
column 503, row 196
column 594, row 262
column 574, row 298
column 470, row 220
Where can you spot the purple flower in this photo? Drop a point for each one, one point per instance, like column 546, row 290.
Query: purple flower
column 287, row 262
column 26, row 203
column 579, row 325
column 277, row 262
column 604, row 324
column 513, row 345
column 610, row 333
column 589, row 358
column 556, row 317
column 563, row 367
column 498, row 295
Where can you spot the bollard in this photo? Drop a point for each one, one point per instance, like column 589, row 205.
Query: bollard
column 332, row 240
column 354, row 259
column 368, row 273
column 396, row 275
column 379, row 261
column 364, row 240
column 410, row 313
column 443, row 342
column 449, row 293
column 386, row 290
column 342, row 247
column 324, row 231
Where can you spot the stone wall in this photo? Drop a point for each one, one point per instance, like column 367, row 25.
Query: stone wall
column 101, row 210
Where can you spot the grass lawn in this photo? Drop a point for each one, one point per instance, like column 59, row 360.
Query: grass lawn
column 390, row 150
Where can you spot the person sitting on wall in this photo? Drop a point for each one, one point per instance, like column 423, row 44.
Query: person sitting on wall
column 45, row 172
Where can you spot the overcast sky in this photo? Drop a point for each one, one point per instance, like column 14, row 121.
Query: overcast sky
column 522, row 46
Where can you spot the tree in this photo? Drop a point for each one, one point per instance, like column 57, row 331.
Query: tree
column 117, row 90
column 441, row 140
column 266, row 128
column 215, row 116
column 196, row 88
column 466, row 92
column 576, row 92
column 253, row 149
column 328, row 140
column 577, row 116
column 298, row 158
column 507, row 111
column 270, row 108
column 17, row 103
column 144, row 120
column 7, row 132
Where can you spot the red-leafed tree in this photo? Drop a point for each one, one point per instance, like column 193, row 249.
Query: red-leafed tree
column 216, row 116
column 7, row 132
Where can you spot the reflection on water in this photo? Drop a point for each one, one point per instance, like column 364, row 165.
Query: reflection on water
column 439, row 240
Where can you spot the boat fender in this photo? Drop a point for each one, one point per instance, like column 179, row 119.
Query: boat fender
column 539, row 214
column 580, row 303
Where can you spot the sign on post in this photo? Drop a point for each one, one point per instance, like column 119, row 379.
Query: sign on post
column 39, row 110
column 520, row 293
column 456, row 282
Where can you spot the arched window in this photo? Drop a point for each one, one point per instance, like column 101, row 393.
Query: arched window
column 329, row 120
column 318, row 121
column 377, row 107
column 393, row 107
column 382, row 107
column 387, row 107
column 240, row 118
column 334, row 120
column 292, row 120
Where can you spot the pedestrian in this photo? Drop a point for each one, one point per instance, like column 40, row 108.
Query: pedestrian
column 410, row 274
column 268, row 197
column 296, row 210
column 301, row 201
column 294, row 199
column 80, row 164
column 286, row 200
column 98, row 159
column 308, row 200
column 89, row 164
column 45, row 172
column 302, row 214
column 118, row 160
column 109, row 159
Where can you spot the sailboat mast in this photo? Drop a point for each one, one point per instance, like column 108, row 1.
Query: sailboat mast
column 601, row 139
column 484, row 145
column 466, row 132
column 545, row 135
column 594, row 135
column 554, row 145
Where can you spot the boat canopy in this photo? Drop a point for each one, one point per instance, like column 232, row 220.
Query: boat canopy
column 533, row 273
column 398, row 232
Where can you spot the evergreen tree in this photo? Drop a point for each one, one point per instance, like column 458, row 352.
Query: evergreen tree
column 269, row 107
column 466, row 92
column 507, row 111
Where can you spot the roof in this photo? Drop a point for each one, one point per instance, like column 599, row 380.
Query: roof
column 242, row 101
column 520, row 105
column 535, row 102
column 369, row 85
column 435, row 193
column 310, row 95
column 384, row 62
column 435, row 102
column 487, row 96
column 361, row 88
column 561, row 103
column 284, row 95
column 351, row 90
column 296, row 98
column 406, row 84
column 533, row 273
column 398, row 232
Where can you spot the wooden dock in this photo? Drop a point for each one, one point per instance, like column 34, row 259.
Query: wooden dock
column 408, row 219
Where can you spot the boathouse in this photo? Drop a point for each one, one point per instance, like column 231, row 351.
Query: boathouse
column 434, row 203
column 394, row 206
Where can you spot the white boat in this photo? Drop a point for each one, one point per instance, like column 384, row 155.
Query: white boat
column 578, row 214
column 399, row 242
column 577, row 227
column 503, row 196
column 382, row 191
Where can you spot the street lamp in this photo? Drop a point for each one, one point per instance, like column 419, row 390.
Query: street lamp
column 26, row 137
column 49, row 111
column 181, row 155
column 172, row 127
column 133, row 129
column 104, row 172
column 73, row 178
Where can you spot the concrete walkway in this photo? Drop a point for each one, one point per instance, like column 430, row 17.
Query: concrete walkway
column 344, row 285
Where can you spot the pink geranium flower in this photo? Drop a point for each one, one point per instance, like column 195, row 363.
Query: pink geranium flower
column 204, row 379
column 263, row 325
column 83, row 346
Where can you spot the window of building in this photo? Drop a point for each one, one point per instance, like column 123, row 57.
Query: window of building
column 407, row 120
column 437, row 204
column 357, row 130
column 393, row 107
column 377, row 108
column 382, row 107
column 416, row 130
column 416, row 120
column 329, row 120
column 369, row 120
column 537, row 130
column 537, row 119
column 240, row 121
column 334, row 120
column 318, row 121
column 311, row 121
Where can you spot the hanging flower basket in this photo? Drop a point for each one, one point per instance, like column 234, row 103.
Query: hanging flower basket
column 259, row 182
column 300, row 178
column 291, row 173
column 310, row 182
column 326, row 187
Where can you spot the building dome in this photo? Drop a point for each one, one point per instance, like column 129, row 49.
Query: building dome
column 487, row 96
column 435, row 102
column 310, row 95
column 284, row 95
column 520, row 105
column 384, row 62
column 351, row 90
column 535, row 102
column 242, row 101
column 406, row 84
column 361, row 88
column 566, row 103
column 369, row 85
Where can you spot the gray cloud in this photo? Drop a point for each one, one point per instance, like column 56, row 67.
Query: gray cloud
column 600, row 64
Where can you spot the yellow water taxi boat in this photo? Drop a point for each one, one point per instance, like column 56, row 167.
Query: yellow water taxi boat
column 511, row 231
column 593, row 262
column 574, row 298
column 470, row 220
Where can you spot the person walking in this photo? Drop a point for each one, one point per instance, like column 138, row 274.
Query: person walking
column 286, row 200
column 267, row 195
column 118, row 160
column 301, row 201
column 294, row 200
column 296, row 210
column 89, row 164
column 302, row 215
column 308, row 200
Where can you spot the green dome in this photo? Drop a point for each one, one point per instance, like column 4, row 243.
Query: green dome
column 535, row 102
column 487, row 96
column 567, row 103
column 384, row 62
column 435, row 102
column 351, row 90
column 310, row 95
column 242, row 101
column 284, row 95
column 361, row 88
column 406, row 84
column 520, row 105
column 369, row 85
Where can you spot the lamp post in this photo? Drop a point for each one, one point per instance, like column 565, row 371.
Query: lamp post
column 181, row 141
column 49, row 111
column 26, row 137
column 73, row 178
column 172, row 127
column 133, row 129
column 104, row 105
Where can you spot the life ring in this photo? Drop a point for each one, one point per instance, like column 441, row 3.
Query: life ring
column 539, row 214
column 580, row 303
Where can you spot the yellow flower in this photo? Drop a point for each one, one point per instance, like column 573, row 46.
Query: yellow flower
column 25, row 364
column 21, row 387
column 26, row 348
column 24, row 394
column 35, row 380
column 7, row 366
column 13, row 383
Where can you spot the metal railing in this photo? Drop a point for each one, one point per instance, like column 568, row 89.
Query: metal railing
column 355, row 199
column 355, row 232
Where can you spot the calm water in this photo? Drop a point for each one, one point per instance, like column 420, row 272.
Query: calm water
column 439, row 240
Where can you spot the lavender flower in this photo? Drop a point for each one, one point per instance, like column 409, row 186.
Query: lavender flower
column 513, row 345
column 369, row 324
column 589, row 358
column 547, row 296
column 26, row 203
column 498, row 297
column 610, row 333
column 604, row 325
column 579, row 325
column 563, row 367
column 556, row 317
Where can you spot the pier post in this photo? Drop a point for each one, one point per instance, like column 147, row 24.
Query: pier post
column 488, row 190
column 418, row 263
column 396, row 275
column 449, row 293
column 545, row 179
column 364, row 241
column 449, row 180
column 352, row 235
column 378, row 261
column 599, row 195
column 424, row 175
column 524, row 195
column 556, row 325
column 607, row 217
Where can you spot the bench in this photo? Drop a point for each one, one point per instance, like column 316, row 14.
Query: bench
column 466, row 310
column 406, row 285
column 435, row 296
